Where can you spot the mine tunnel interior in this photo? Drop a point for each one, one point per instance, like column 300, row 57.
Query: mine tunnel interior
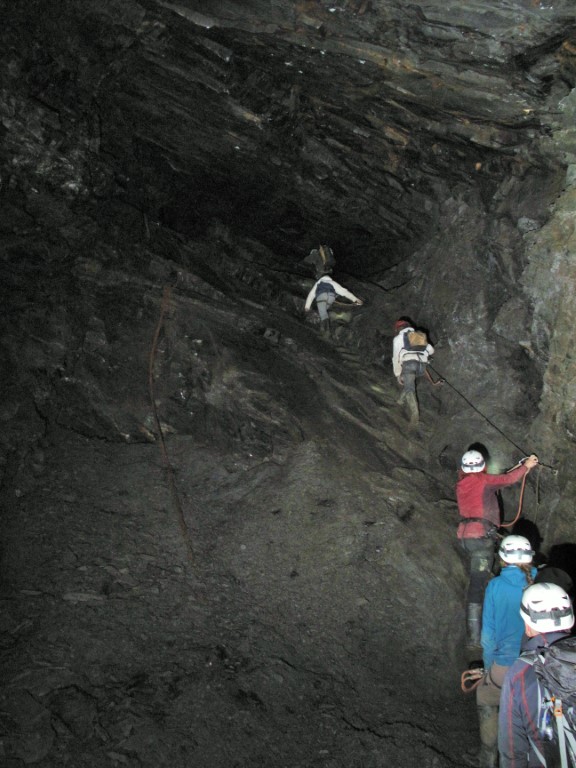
column 222, row 543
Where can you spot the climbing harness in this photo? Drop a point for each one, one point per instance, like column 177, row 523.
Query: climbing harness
column 471, row 679
column 165, row 459
column 551, row 469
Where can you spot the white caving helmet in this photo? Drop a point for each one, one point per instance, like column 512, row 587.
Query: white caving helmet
column 547, row 608
column 472, row 461
column 516, row 550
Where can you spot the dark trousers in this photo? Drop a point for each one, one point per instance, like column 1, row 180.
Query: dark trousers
column 481, row 555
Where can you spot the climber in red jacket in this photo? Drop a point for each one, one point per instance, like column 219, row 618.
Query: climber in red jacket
column 480, row 519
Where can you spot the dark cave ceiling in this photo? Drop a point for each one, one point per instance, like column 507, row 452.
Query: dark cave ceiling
column 347, row 121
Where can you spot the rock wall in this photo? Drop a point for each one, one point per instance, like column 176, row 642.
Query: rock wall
column 550, row 281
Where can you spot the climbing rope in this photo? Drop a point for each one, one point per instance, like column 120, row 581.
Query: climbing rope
column 162, row 443
column 489, row 421
column 521, row 499
column 435, row 382
column 537, row 495
column 519, row 511
column 471, row 679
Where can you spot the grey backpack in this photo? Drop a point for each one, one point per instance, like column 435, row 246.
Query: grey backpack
column 555, row 668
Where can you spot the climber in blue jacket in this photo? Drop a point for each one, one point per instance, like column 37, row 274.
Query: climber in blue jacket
column 502, row 625
column 501, row 638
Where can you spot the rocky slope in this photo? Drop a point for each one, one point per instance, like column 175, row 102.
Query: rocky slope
column 220, row 541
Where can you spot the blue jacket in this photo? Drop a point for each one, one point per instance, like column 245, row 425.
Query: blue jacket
column 502, row 625
column 518, row 733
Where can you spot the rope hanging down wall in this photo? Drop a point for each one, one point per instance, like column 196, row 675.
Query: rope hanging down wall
column 161, row 442
column 489, row 421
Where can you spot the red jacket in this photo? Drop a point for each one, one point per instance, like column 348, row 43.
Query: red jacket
column 476, row 497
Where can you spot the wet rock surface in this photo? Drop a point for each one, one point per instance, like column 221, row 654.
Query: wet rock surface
column 221, row 543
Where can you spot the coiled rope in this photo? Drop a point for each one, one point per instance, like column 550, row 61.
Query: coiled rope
column 471, row 679
column 519, row 511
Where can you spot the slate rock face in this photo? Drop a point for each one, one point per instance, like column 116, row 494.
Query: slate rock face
column 221, row 544
column 308, row 102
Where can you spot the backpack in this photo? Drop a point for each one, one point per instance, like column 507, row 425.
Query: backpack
column 322, row 260
column 327, row 256
column 415, row 341
column 555, row 668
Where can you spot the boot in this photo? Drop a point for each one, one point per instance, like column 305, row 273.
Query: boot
column 474, row 624
column 413, row 409
column 487, row 757
column 325, row 328
column 488, row 721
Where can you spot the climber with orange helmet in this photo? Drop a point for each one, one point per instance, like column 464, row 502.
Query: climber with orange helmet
column 479, row 522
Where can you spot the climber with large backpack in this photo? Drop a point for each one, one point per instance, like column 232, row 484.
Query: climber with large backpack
column 536, row 720
column 410, row 352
